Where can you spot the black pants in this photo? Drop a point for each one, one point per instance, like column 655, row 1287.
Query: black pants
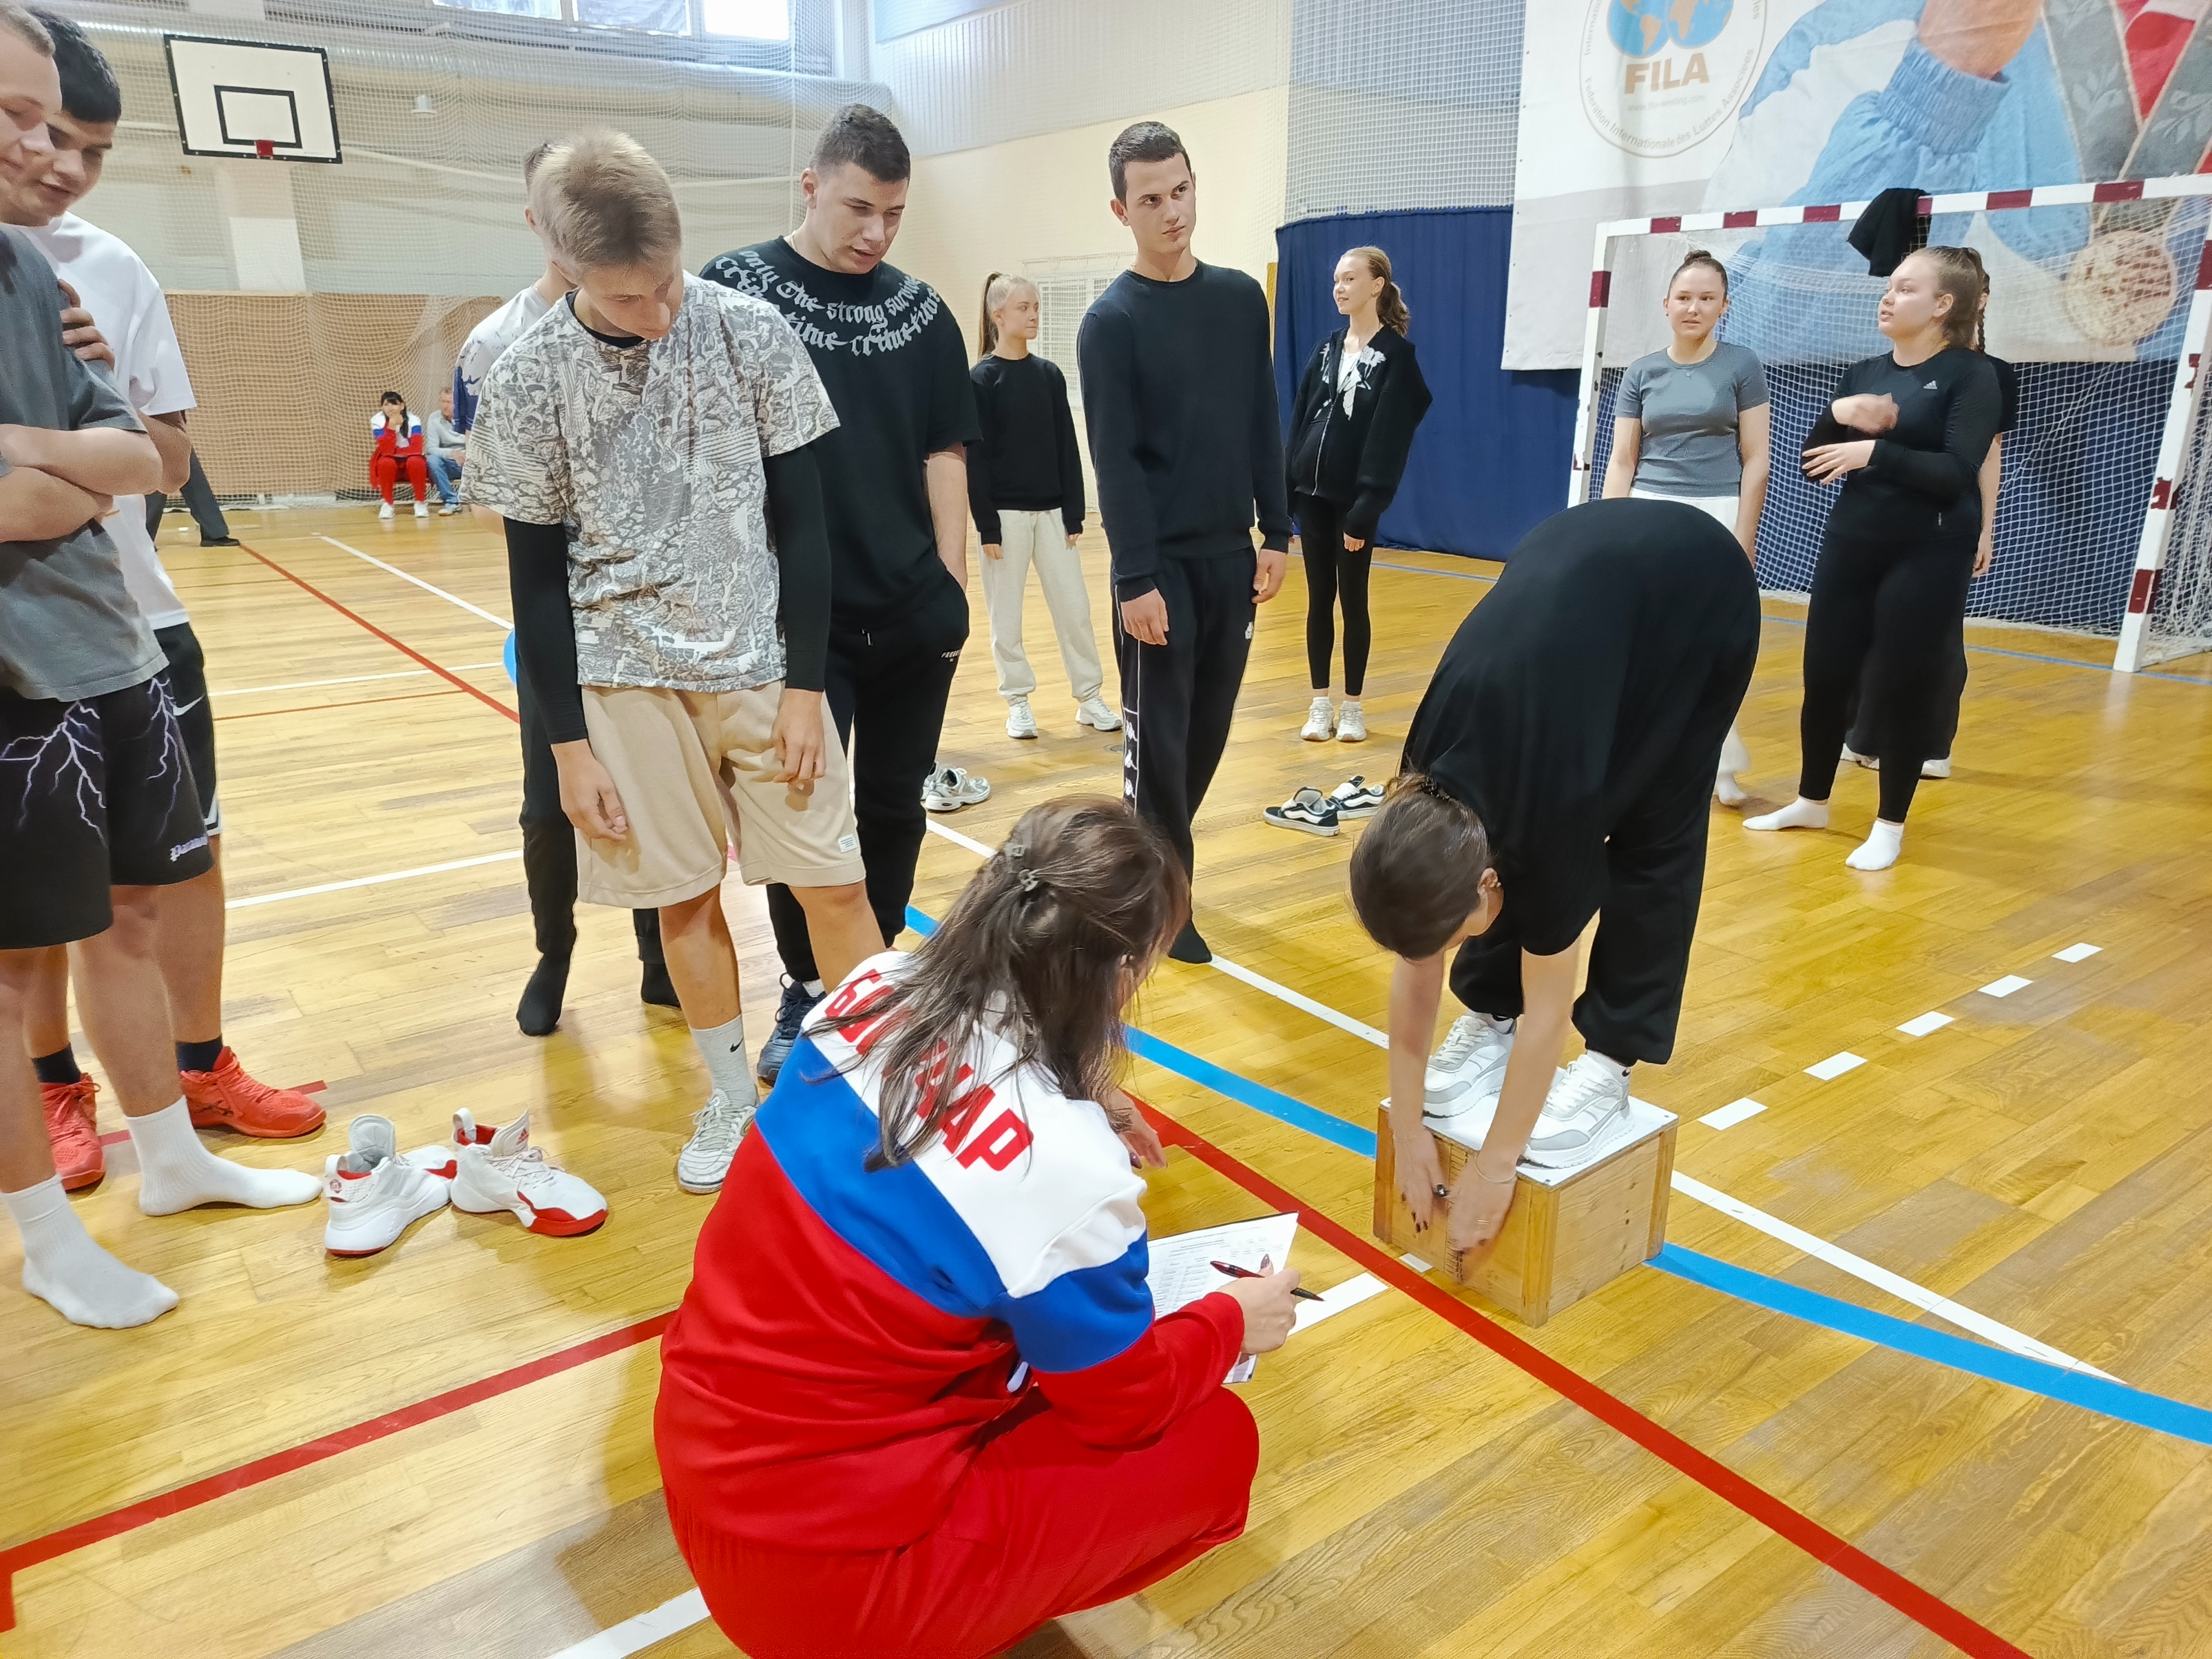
column 888, row 685
column 1178, row 699
column 1889, row 612
column 1655, row 859
column 1333, row 572
column 206, row 512
column 1865, row 716
column 549, row 846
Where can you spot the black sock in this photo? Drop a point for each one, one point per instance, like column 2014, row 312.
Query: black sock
column 655, row 986
column 540, row 1011
column 59, row 1066
column 1190, row 947
column 199, row 1056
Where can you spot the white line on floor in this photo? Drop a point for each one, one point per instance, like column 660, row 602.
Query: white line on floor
column 1925, row 1024
column 634, row 1635
column 369, row 881
column 1350, row 1294
column 428, row 587
column 2077, row 952
column 345, row 679
column 1732, row 1113
column 1902, row 1288
column 1835, row 1065
column 2007, row 985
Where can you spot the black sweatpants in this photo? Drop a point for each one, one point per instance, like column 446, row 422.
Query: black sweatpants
column 1333, row 572
column 199, row 497
column 887, row 687
column 549, row 846
column 1655, row 859
column 1889, row 612
column 1178, row 699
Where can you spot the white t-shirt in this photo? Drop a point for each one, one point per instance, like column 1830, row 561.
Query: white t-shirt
column 487, row 343
column 126, row 302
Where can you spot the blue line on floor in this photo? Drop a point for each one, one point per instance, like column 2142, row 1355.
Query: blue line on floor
column 2113, row 1399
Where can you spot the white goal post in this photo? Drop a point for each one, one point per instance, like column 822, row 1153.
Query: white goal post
column 2101, row 296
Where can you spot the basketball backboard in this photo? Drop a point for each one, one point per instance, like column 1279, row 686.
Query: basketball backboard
column 250, row 99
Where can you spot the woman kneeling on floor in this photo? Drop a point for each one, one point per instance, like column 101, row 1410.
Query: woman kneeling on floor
column 915, row 1400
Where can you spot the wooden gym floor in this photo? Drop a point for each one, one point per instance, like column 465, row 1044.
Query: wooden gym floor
column 446, row 1449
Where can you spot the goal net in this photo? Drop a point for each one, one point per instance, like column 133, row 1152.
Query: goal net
column 2103, row 522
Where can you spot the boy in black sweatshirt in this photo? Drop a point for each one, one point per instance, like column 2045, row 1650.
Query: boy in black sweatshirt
column 1179, row 397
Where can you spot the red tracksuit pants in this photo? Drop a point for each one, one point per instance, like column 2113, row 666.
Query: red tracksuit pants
column 384, row 472
column 1043, row 1525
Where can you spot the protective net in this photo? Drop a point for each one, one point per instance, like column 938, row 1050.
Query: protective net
column 301, row 291
column 2088, row 303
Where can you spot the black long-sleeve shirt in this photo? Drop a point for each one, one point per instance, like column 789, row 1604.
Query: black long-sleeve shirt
column 1179, row 397
column 1355, row 459
column 545, row 626
column 1925, row 477
column 1026, row 461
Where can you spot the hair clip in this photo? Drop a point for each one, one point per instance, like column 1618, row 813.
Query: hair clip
column 1029, row 881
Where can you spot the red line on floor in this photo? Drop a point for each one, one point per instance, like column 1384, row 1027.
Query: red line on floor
column 314, row 1088
column 321, row 708
column 403, row 649
column 191, row 1496
column 1924, row 1610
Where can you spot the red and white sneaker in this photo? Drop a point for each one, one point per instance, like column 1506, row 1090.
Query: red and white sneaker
column 226, row 1099
column 79, row 1159
column 499, row 1169
column 372, row 1192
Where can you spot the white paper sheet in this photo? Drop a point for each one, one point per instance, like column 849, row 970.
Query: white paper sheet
column 1181, row 1269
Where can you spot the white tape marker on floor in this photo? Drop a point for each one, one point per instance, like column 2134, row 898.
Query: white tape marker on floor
column 1732, row 1113
column 1898, row 1286
column 1350, row 1294
column 2077, row 952
column 368, row 881
column 635, row 1635
column 1834, row 1067
column 428, row 587
column 2007, row 985
column 1928, row 1022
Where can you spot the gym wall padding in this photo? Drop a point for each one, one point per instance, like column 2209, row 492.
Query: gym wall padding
column 1489, row 462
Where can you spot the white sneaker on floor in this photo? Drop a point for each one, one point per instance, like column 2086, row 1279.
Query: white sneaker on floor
column 422, row 510
column 499, row 1170
column 1309, row 812
column 949, row 788
column 383, row 511
column 1093, row 711
column 446, row 509
column 1021, row 720
column 1935, row 768
column 1858, row 759
column 1356, row 797
column 371, row 1193
column 1351, row 724
column 1469, row 1069
column 1321, row 722
column 716, row 1129
column 1585, row 1113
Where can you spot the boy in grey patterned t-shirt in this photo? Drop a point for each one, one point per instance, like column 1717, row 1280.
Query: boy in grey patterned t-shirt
column 647, row 442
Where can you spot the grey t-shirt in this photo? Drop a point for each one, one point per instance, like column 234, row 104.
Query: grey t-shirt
column 1690, row 413
column 68, row 627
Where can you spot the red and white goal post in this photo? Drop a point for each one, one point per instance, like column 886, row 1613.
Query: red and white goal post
column 2100, row 294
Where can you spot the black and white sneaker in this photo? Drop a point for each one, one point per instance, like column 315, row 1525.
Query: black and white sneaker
column 1309, row 812
column 1356, row 797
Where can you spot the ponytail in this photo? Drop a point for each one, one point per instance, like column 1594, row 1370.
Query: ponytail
column 1390, row 307
column 996, row 286
column 1960, row 274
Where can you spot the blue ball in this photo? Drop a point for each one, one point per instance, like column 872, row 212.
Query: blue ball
column 506, row 656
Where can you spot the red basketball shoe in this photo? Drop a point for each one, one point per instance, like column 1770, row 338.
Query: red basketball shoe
column 226, row 1099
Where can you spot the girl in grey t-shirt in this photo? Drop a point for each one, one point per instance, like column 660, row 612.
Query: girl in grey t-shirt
column 1691, row 424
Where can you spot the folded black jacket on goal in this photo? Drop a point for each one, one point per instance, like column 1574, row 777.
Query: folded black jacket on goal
column 1355, row 461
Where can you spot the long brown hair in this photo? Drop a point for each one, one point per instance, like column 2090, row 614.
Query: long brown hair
column 1959, row 273
column 1390, row 307
column 1416, row 872
column 996, row 286
column 1044, row 947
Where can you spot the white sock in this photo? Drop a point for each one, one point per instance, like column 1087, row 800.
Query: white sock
column 1800, row 814
column 723, row 1049
column 63, row 1267
column 1726, row 790
column 176, row 1172
column 1880, row 849
column 814, row 988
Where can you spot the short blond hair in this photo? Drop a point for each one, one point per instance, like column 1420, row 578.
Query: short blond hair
column 602, row 203
column 27, row 29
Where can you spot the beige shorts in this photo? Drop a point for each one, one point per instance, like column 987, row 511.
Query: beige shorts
column 695, row 771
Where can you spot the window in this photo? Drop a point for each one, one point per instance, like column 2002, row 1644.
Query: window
column 724, row 20
column 1066, row 288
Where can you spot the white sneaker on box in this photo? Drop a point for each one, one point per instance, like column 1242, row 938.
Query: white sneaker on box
column 1093, row 711
column 717, row 1128
column 499, row 1170
column 1021, row 719
column 1586, row 1110
column 372, row 1192
column 1470, row 1067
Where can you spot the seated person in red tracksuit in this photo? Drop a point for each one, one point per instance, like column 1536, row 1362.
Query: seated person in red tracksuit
column 915, row 1401
column 399, row 447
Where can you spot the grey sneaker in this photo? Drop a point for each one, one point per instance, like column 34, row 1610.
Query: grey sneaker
column 1586, row 1113
column 716, row 1129
column 1469, row 1068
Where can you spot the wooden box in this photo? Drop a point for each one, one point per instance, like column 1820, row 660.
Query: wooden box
column 1570, row 1230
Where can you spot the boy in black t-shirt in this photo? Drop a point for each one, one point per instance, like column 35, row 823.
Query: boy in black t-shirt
column 895, row 484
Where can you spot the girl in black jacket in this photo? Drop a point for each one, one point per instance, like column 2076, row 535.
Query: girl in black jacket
column 1358, row 405
column 1908, row 434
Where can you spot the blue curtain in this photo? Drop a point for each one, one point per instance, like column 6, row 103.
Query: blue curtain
column 1489, row 462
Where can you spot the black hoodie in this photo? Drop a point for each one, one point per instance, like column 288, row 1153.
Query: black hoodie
column 1355, row 461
